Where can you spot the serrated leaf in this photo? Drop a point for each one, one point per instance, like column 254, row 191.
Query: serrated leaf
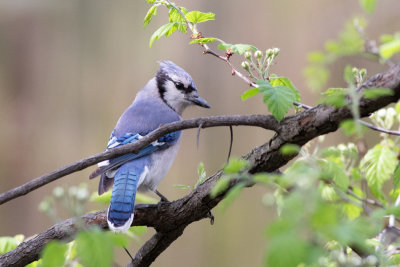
column 176, row 16
column 289, row 149
column 249, row 93
column 387, row 50
column 372, row 93
column 197, row 16
column 279, row 99
column 203, row 40
column 237, row 48
column 368, row 5
column 152, row 12
column 235, row 165
column 163, row 30
column 378, row 166
column 53, row 254
column 275, row 81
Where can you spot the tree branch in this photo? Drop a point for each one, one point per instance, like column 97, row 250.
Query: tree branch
column 267, row 122
column 170, row 219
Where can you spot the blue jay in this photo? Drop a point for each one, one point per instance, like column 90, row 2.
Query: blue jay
column 161, row 101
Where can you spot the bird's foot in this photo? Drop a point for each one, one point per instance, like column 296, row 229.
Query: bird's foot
column 211, row 216
column 162, row 197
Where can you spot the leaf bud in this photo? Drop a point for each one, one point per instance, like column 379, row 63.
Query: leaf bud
column 247, row 55
column 269, row 53
column 258, row 54
column 363, row 72
column 245, row 65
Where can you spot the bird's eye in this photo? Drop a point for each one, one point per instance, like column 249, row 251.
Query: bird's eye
column 179, row 86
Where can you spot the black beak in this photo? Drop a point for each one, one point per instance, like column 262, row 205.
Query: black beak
column 197, row 100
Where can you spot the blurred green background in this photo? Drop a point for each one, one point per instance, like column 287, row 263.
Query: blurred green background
column 68, row 69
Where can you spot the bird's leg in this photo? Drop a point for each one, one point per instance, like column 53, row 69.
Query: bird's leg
column 163, row 198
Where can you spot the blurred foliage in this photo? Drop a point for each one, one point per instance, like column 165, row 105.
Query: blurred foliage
column 325, row 216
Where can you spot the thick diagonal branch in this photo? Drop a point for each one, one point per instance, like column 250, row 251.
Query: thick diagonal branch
column 170, row 219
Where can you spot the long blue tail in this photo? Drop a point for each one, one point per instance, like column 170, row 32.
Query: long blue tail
column 120, row 212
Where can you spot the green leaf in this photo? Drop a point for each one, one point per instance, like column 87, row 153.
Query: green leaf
column 201, row 172
column 334, row 97
column 197, row 16
column 275, row 81
column 152, row 12
column 372, row 93
column 290, row 149
column 387, row 50
column 176, row 16
column 182, row 186
column 368, row 5
column 53, row 254
column 286, row 249
column 235, row 165
column 378, row 165
column 220, row 186
column 7, row 243
column 316, row 57
column 163, row 30
column 237, row 48
column 387, row 38
column 143, row 198
column 94, row 248
column 203, row 40
column 351, row 127
column 396, row 178
column 249, row 93
column 279, row 99
column 105, row 198
column 232, row 194
column 118, row 239
column 317, row 76
column 332, row 171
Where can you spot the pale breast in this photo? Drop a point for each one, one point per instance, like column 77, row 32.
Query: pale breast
column 161, row 162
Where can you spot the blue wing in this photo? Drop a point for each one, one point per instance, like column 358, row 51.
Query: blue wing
column 107, row 168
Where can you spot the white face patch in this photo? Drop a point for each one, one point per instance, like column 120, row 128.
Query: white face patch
column 175, row 98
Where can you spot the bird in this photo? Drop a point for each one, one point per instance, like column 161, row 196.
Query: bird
column 162, row 100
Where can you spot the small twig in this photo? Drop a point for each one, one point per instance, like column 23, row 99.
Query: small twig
column 231, row 142
column 379, row 129
column 365, row 200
